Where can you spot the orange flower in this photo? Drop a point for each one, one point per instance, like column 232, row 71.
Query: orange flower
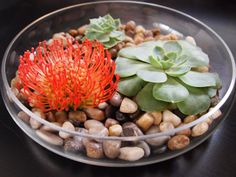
column 77, row 76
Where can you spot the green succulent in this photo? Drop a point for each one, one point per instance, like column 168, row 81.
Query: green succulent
column 104, row 29
column 160, row 74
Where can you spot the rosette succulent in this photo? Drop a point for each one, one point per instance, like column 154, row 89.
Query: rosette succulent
column 105, row 30
column 160, row 74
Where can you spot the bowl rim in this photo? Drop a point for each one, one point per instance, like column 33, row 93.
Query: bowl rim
column 130, row 138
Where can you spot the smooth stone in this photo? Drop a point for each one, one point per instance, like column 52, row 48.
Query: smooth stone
column 73, row 146
column 49, row 129
column 68, row 126
column 135, row 115
column 81, row 139
column 166, row 126
column 128, row 106
column 186, row 132
column 61, row 117
column 95, row 113
column 98, row 131
column 115, row 130
column 121, row 117
column 116, row 99
column 109, row 122
column 145, row 121
column 168, row 116
column 34, row 123
column 50, row 117
column 216, row 114
column 110, row 111
column 178, row 142
column 92, row 123
column 145, row 147
column 157, row 141
column 157, row 116
column 94, row 150
column 200, row 129
column 131, row 129
column 23, row 116
column 77, row 116
column 191, row 40
column 102, row 105
column 111, row 148
column 131, row 153
column 190, row 118
column 49, row 137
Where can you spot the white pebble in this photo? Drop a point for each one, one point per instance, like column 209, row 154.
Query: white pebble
column 131, row 153
column 68, row 126
column 49, row 137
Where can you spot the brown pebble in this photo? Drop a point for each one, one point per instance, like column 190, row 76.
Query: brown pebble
column 113, row 52
column 109, row 122
column 61, row 117
column 129, row 44
column 157, row 117
column 130, row 33
column 95, row 113
column 50, row 116
column 190, row 118
column 186, row 132
column 128, row 39
column 200, row 129
column 156, row 31
column 130, row 25
column 78, row 116
column 73, row 32
column 138, row 39
column 116, row 99
column 94, row 150
column 128, row 106
column 178, row 142
column 139, row 29
column 148, row 33
column 111, row 148
column 115, row 130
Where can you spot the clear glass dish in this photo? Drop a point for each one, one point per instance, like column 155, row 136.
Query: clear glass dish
column 148, row 15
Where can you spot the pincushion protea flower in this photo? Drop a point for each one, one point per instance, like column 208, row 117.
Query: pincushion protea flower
column 58, row 78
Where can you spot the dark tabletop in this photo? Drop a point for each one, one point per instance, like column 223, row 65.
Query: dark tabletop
column 21, row 157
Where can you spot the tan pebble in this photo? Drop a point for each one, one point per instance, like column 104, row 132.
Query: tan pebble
column 78, row 116
column 34, row 123
column 128, row 39
column 148, row 33
column 94, row 150
column 119, row 46
column 60, row 36
column 216, row 114
column 166, row 126
column 129, row 44
column 139, row 29
column 168, row 116
column 92, row 123
column 157, row 117
column 81, row 30
column 111, row 148
column 102, row 105
column 148, row 39
column 191, row 40
column 98, row 131
column 202, row 69
column 49, row 129
column 50, row 137
column 190, row 118
column 138, row 39
column 130, row 33
column 208, row 121
column 73, row 32
column 95, row 113
column 130, row 25
column 145, row 121
column 23, row 116
column 186, row 132
column 178, row 142
column 128, row 106
column 131, row 153
column 61, row 117
column 156, row 31
column 199, row 129
column 109, row 122
column 115, row 130
column 68, row 126
column 157, row 141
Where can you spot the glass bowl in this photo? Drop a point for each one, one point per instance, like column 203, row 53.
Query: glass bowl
column 148, row 15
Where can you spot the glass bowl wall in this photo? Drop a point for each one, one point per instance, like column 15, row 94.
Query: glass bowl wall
column 148, row 15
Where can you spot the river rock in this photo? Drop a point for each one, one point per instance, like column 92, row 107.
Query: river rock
column 94, row 150
column 49, row 137
column 128, row 106
column 200, row 129
column 95, row 113
column 111, row 148
column 145, row 121
column 131, row 129
column 92, row 123
column 116, row 99
column 131, row 153
column 68, row 126
column 178, row 142
column 156, row 141
column 168, row 116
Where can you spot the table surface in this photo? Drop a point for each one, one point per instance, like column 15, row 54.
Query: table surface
column 21, row 157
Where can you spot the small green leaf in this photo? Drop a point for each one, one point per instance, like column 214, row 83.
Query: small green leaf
column 170, row 91
column 147, row 102
column 197, row 102
column 177, row 71
column 197, row 79
column 172, row 46
column 158, row 52
column 166, row 64
column 211, row 92
column 124, row 69
column 130, row 86
column 155, row 62
column 152, row 74
column 172, row 56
